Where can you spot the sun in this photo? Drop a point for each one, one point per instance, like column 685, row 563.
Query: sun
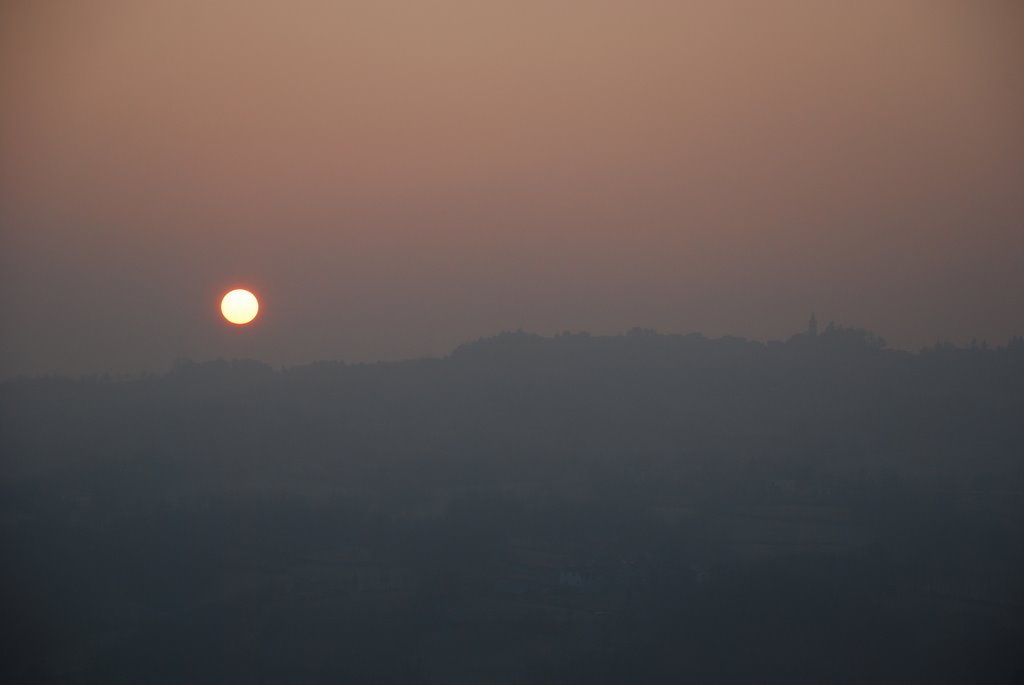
column 239, row 306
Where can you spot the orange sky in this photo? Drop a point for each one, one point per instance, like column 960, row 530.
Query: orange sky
column 394, row 178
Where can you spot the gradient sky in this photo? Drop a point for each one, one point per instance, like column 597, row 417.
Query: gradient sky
column 394, row 178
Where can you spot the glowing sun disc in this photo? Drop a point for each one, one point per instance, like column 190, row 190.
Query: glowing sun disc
column 239, row 306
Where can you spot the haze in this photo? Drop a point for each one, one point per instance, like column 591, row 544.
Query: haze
column 396, row 178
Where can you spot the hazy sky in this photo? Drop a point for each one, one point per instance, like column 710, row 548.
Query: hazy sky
column 393, row 178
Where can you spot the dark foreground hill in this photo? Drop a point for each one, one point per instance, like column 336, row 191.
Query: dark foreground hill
column 640, row 508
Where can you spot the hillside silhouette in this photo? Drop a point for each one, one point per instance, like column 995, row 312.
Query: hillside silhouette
column 577, row 508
